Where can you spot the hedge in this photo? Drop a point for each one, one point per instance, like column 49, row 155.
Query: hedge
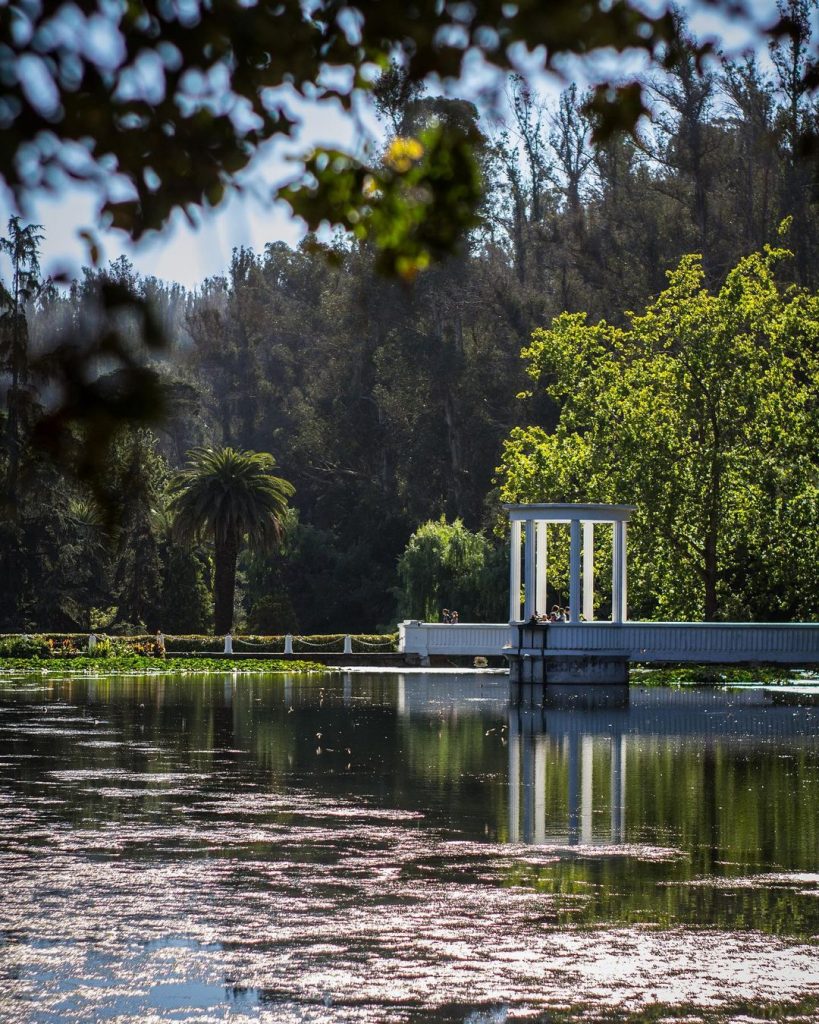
column 72, row 645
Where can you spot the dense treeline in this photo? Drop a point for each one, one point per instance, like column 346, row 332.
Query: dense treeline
column 387, row 404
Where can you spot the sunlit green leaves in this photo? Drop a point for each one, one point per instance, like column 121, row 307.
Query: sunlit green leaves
column 704, row 413
column 414, row 207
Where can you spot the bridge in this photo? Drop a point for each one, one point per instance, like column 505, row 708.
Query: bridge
column 723, row 643
column 585, row 650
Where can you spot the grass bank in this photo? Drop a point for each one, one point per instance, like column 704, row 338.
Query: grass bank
column 114, row 664
column 711, row 675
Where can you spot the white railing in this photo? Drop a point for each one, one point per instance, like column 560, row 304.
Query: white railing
column 463, row 638
column 723, row 642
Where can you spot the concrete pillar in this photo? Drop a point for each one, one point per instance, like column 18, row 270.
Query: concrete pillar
column 586, row 790
column 514, row 776
column 529, row 569
column 348, row 645
column 588, row 571
column 514, row 572
column 541, row 568
column 574, row 570
column 288, row 644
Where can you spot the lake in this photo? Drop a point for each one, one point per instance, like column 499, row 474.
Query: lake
column 357, row 847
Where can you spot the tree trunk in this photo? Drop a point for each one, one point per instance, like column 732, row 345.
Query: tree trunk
column 224, row 585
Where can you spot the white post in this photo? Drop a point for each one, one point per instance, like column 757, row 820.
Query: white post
column 618, row 574
column 514, row 572
column 529, row 569
column 348, row 645
column 624, row 585
column 541, row 567
column 588, row 571
column 574, row 571
column 288, row 644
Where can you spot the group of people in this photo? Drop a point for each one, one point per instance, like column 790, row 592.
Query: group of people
column 449, row 616
column 557, row 614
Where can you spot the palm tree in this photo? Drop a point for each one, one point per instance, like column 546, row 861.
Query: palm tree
column 234, row 497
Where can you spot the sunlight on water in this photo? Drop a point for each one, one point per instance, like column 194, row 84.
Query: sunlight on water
column 381, row 848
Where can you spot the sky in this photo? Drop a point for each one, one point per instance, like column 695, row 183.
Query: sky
column 189, row 253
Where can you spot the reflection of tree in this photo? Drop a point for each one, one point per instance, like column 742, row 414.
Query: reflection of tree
column 697, row 813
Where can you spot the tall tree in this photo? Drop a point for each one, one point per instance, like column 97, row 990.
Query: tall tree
column 22, row 248
column 703, row 412
column 233, row 497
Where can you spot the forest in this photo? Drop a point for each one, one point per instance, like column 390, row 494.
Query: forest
column 400, row 409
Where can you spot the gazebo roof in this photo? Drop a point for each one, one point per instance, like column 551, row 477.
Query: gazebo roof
column 565, row 513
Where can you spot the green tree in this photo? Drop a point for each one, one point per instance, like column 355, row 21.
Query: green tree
column 22, row 249
column 178, row 148
column 139, row 475
column 445, row 564
column 233, row 497
column 702, row 411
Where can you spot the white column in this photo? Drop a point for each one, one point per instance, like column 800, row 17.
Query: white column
column 588, row 571
column 574, row 570
column 617, row 574
column 624, row 585
column 514, row 572
column 541, row 567
column 529, row 569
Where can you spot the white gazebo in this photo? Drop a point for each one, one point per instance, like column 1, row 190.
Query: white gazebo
column 529, row 522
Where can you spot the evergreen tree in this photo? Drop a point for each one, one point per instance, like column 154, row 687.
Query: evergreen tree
column 234, row 498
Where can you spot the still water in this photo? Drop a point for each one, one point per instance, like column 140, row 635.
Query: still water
column 403, row 848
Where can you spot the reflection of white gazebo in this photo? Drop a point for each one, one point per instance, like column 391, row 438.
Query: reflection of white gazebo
column 529, row 522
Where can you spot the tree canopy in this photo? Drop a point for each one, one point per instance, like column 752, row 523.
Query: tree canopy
column 163, row 107
column 234, row 498
column 702, row 411
column 387, row 405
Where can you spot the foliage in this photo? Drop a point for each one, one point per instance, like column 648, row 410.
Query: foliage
column 75, row 645
column 181, row 134
column 389, row 404
column 445, row 564
column 416, row 207
column 703, row 412
column 164, row 666
column 710, row 675
column 233, row 497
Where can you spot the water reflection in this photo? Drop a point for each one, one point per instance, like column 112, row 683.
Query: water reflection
column 532, row 750
column 568, row 769
column 366, row 848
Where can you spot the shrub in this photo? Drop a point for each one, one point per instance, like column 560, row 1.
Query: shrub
column 74, row 645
